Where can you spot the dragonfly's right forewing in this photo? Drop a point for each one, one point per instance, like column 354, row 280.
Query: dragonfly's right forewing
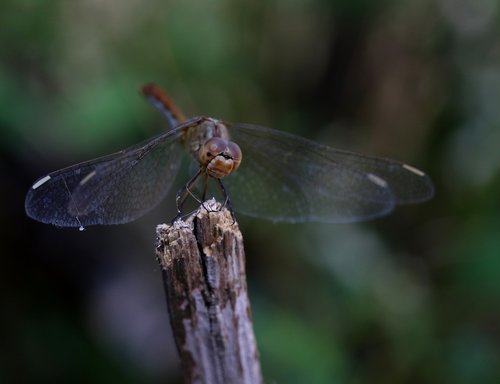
column 112, row 189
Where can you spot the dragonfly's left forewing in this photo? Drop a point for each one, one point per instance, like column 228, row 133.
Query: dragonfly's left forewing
column 287, row 178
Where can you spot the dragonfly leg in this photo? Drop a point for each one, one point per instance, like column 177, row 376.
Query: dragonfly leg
column 227, row 200
column 184, row 192
column 205, row 187
column 204, row 193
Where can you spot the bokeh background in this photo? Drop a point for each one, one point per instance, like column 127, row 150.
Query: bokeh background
column 411, row 298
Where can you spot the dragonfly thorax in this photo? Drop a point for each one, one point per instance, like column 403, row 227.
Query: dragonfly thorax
column 203, row 129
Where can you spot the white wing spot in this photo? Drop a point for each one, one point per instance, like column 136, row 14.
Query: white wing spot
column 413, row 169
column 87, row 178
column 377, row 180
column 40, row 182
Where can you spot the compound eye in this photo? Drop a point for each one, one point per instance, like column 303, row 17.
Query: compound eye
column 214, row 146
column 211, row 148
column 235, row 153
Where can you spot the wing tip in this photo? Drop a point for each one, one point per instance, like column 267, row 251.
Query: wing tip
column 40, row 182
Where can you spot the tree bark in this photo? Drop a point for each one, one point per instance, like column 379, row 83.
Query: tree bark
column 203, row 265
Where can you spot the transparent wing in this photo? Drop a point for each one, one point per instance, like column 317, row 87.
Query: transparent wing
column 287, row 178
column 113, row 189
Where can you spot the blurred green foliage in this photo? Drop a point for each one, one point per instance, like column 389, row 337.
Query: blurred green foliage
column 411, row 298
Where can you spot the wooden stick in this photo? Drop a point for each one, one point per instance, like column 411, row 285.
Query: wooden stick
column 203, row 263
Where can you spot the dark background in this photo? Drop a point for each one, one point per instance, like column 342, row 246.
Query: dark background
column 411, row 298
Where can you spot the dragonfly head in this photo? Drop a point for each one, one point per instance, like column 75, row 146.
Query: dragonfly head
column 220, row 157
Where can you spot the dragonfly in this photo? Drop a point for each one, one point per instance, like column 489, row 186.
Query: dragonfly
column 261, row 172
